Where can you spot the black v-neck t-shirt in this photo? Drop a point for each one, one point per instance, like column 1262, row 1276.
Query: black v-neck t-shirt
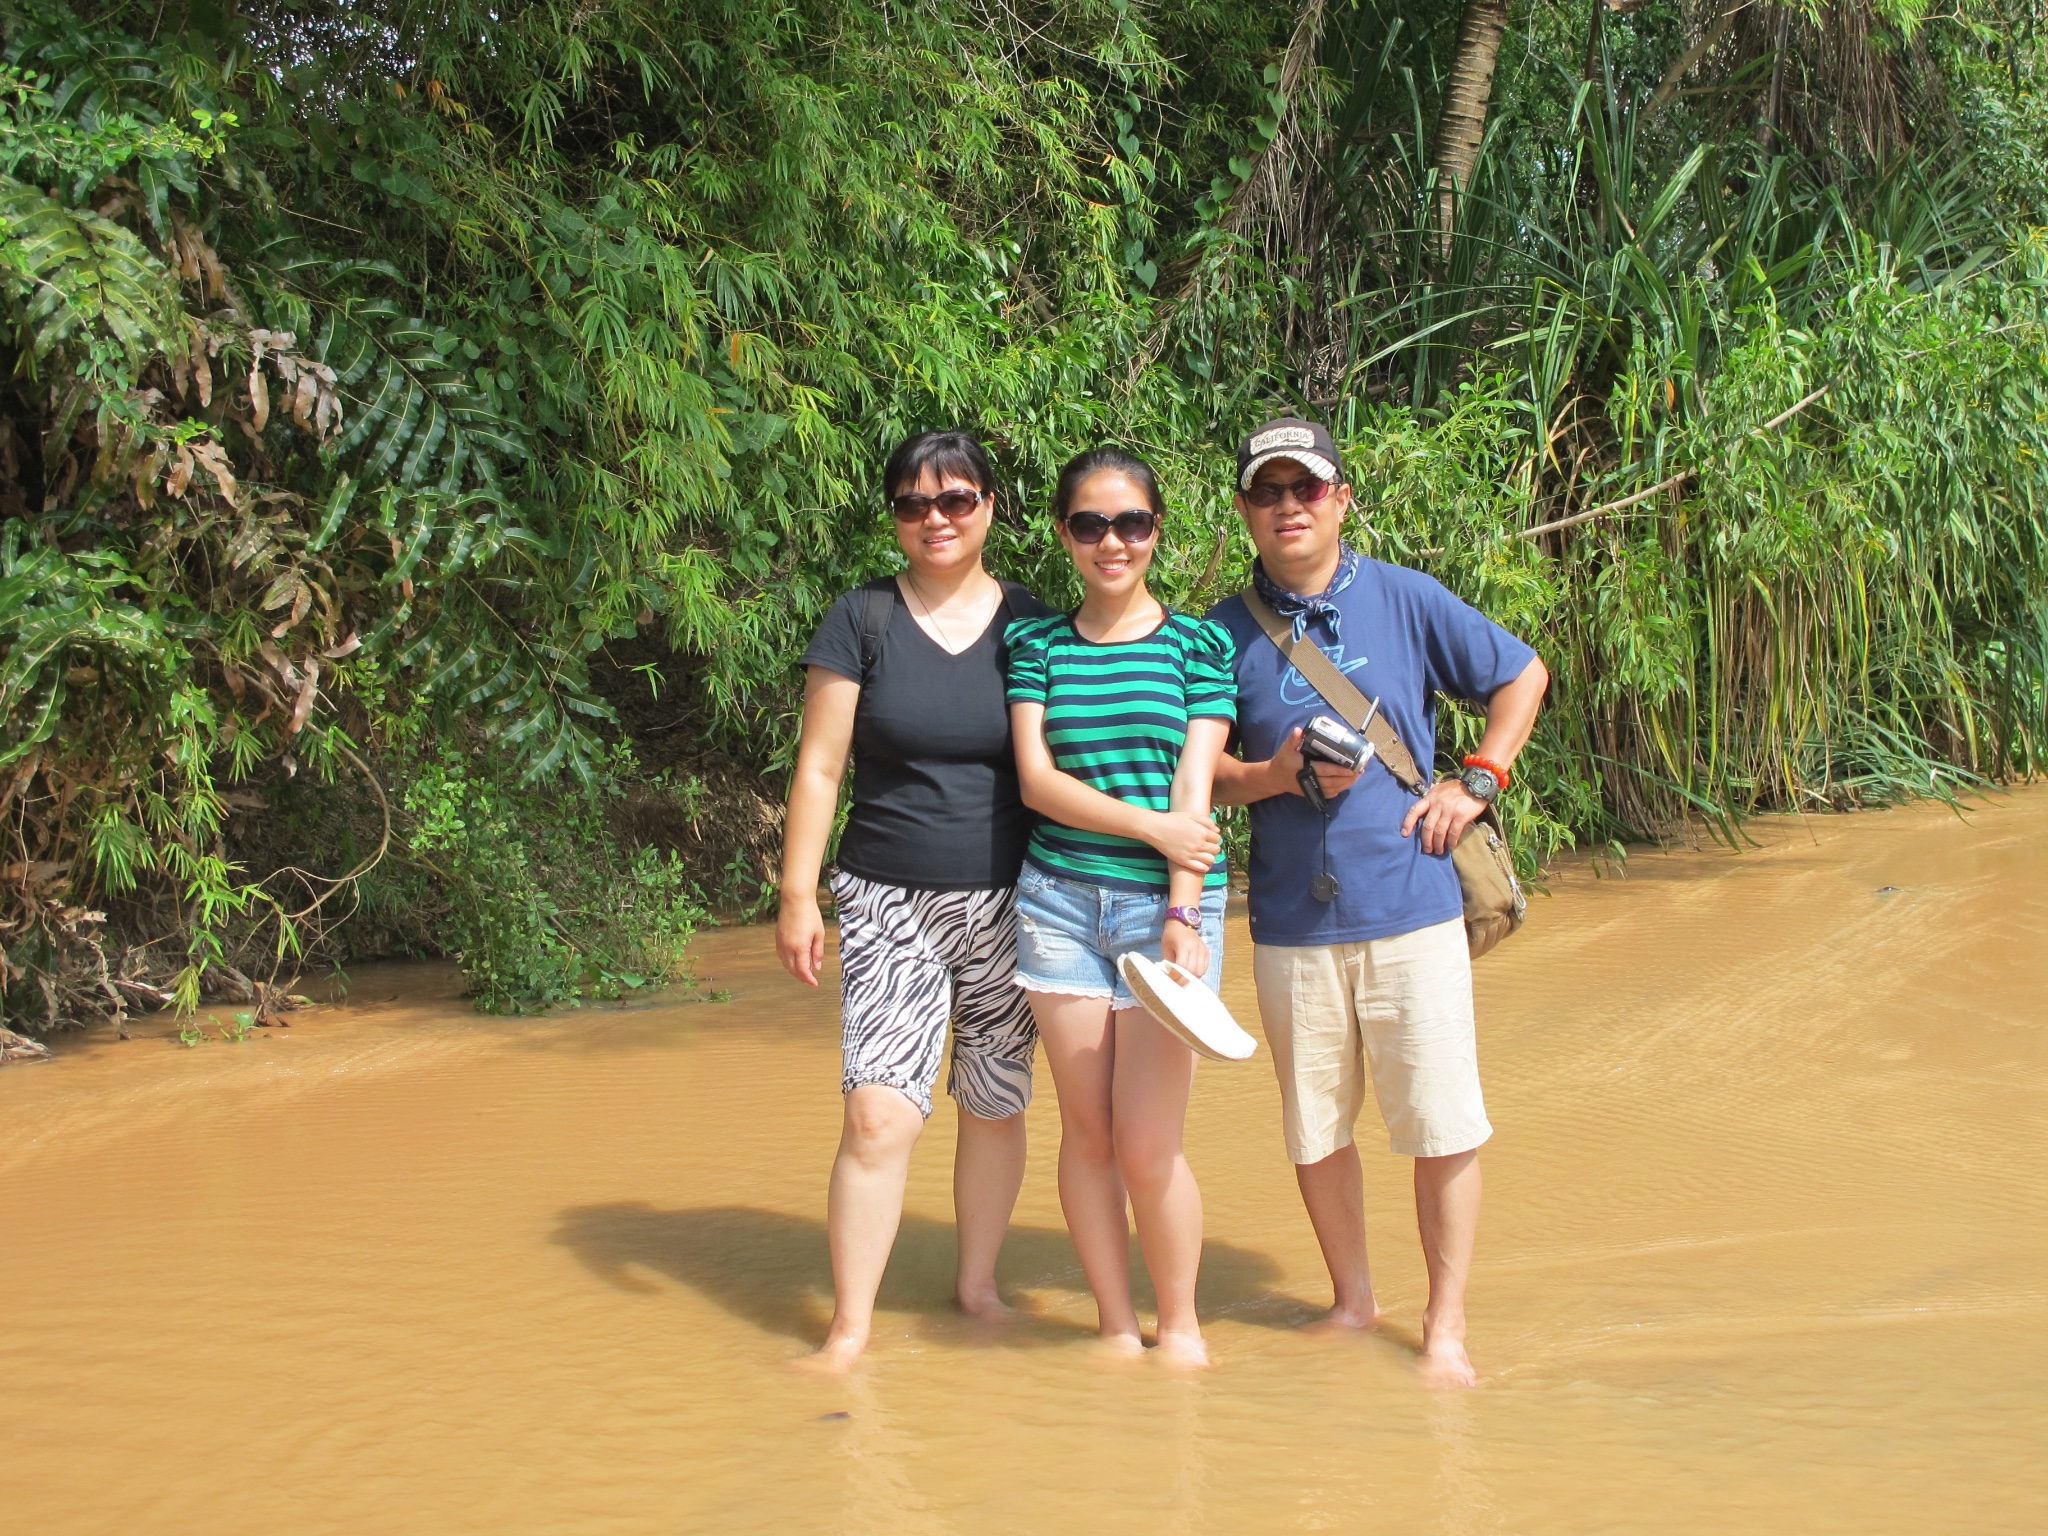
column 935, row 799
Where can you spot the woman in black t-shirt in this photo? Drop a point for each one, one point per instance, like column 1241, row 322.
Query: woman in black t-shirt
column 906, row 676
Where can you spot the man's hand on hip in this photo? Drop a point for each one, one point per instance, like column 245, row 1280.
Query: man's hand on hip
column 1444, row 813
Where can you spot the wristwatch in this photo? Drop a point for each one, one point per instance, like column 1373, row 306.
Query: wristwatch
column 1480, row 784
column 1192, row 916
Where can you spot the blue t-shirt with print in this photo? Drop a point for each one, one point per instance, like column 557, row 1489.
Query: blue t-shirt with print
column 1402, row 638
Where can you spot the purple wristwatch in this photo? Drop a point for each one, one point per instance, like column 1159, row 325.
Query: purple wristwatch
column 1192, row 916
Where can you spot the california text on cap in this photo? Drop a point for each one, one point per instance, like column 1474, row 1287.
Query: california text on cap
column 1307, row 443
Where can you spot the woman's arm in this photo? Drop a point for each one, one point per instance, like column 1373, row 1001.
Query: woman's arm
column 821, row 753
column 1188, row 842
column 1193, row 779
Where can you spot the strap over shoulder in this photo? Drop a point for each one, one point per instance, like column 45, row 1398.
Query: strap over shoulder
column 1339, row 692
column 878, row 601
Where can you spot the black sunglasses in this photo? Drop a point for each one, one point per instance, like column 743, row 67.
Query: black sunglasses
column 1308, row 492
column 914, row 508
column 1133, row 527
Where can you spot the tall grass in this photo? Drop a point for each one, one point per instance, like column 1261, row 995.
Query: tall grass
column 1758, row 453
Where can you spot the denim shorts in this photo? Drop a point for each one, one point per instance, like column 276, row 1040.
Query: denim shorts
column 1069, row 934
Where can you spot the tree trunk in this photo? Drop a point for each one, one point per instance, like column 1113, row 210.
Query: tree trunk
column 1462, row 124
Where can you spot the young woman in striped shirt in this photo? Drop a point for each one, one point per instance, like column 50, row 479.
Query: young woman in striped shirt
column 1119, row 711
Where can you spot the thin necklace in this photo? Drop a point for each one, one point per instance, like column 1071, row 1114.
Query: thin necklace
column 945, row 639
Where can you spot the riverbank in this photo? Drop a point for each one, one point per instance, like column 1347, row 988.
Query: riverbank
column 1763, row 1252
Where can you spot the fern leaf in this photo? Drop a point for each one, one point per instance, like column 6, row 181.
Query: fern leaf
column 80, row 275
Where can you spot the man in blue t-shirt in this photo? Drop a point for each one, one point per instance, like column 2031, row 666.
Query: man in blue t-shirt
column 1358, row 933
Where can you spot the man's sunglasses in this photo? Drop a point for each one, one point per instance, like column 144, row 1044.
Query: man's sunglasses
column 913, row 508
column 1308, row 492
column 1133, row 527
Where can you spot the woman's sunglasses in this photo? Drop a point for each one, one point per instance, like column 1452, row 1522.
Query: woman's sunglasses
column 1308, row 492
column 913, row 508
column 1133, row 527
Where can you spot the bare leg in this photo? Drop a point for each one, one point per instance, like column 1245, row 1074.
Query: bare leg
column 1080, row 1048
column 862, row 1213
column 988, row 1170
column 1447, row 1212
column 1154, row 1074
column 1334, row 1192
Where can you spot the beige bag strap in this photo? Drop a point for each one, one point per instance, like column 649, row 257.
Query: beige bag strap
column 1339, row 692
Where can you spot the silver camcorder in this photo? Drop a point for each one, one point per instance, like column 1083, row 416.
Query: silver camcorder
column 1324, row 740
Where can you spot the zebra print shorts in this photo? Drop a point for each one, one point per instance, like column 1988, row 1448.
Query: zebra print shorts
column 910, row 962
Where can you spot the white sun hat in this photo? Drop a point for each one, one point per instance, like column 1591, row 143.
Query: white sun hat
column 1186, row 1006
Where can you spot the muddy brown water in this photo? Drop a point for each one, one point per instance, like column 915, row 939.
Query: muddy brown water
column 1764, row 1251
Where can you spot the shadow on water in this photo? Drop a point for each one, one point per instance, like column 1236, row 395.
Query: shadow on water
column 774, row 1270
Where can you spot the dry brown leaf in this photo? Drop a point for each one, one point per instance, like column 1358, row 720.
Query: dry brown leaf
column 279, row 663
column 303, row 401
column 202, row 370
column 181, row 472
column 215, row 458
column 348, row 647
column 304, row 705
column 216, row 277
column 42, row 872
column 259, row 395
column 147, row 468
column 188, row 256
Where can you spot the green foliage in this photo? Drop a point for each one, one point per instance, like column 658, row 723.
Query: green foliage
column 545, row 907
column 374, row 371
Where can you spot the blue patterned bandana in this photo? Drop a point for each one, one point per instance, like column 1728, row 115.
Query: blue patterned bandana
column 1301, row 609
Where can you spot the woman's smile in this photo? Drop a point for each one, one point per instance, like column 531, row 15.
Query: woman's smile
column 1112, row 562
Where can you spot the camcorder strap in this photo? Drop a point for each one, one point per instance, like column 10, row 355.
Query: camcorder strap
column 1339, row 692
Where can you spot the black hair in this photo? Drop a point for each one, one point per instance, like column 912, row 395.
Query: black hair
column 1082, row 465
column 955, row 453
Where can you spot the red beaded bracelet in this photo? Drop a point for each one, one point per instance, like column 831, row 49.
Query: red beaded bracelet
column 1500, row 773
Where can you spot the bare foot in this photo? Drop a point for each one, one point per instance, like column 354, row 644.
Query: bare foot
column 1344, row 1322
column 1446, row 1365
column 1182, row 1351
column 834, row 1357
column 984, row 1304
column 1119, row 1346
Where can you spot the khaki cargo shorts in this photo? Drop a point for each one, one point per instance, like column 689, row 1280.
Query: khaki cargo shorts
column 1400, row 1006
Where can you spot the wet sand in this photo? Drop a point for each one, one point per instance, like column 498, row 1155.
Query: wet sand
column 1764, row 1251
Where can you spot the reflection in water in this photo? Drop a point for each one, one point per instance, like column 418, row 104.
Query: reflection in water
column 1763, row 1252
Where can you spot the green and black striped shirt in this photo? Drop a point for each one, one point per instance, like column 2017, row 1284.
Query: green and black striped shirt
column 1116, row 717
